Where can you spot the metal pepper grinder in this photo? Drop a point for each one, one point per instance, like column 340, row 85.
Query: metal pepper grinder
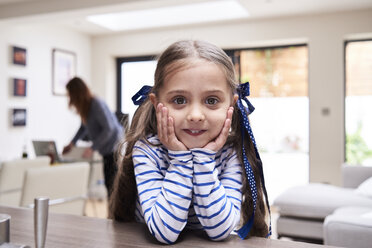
column 4, row 228
column 40, row 220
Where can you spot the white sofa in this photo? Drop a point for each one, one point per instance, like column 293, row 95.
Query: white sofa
column 303, row 209
column 349, row 227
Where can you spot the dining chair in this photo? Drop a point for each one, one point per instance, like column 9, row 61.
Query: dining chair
column 65, row 185
column 11, row 178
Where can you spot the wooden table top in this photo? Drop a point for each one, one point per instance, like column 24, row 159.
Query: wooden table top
column 78, row 231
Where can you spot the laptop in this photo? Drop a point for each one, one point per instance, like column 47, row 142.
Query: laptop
column 49, row 148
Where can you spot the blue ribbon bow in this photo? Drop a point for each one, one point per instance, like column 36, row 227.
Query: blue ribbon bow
column 243, row 92
column 141, row 95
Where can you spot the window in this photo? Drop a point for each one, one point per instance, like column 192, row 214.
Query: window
column 358, row 99
column 278, row 79
column 133, row 74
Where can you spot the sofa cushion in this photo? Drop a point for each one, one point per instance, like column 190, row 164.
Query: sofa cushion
column 299, row 228
column 317, row 200
column 349, row 227
column 365, row 188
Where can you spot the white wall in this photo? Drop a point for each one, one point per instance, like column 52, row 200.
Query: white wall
column 325, row 36
column 48, row 116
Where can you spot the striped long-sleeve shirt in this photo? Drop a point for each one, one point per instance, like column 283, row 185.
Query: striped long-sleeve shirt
column 198, row 188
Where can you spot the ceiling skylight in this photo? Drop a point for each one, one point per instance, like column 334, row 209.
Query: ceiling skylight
column 171, row 16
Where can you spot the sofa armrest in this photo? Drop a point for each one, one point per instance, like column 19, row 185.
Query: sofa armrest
column 354, row 175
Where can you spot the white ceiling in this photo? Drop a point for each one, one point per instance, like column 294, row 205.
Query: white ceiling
column 72, row 13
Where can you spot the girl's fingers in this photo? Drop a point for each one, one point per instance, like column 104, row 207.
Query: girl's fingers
column 166, row 131
column 170, row 127
column 158, row 119
column 161, row 119
column 230, row 112
column 164, row 123
column 226, row 127
column 220, row 141
column 171, row 132
column 173, row 141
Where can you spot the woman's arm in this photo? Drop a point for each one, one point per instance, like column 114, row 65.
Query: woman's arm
column 82, row 132
column 218, row 198
column 164, row 193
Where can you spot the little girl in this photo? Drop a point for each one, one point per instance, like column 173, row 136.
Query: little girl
column 191, row 159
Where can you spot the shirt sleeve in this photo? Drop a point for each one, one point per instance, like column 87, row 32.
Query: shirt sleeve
column 164, row 193
column 104, row 117
column 82, row 132
column 217, row 198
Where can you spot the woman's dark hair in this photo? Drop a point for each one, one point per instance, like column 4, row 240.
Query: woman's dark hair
column 80, row 96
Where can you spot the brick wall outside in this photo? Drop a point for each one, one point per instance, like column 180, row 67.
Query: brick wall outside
column 359, row 68
column 276, row 72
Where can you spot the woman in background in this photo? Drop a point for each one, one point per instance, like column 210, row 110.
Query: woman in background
column 98, row 123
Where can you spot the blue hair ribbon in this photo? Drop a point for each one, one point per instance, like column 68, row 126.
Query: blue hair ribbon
column 243, row 92
column 141, row 95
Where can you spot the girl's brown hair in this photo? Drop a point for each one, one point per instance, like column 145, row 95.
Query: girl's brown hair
column 176, row 57
column 80, row 97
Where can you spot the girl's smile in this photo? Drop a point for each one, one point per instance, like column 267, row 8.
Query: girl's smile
column 194, row 132
column 197, row 97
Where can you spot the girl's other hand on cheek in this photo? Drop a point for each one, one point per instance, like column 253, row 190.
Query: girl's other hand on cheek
column 166, row 133
column 217, row 144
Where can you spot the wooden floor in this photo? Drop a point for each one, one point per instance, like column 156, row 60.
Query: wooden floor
column 96, row 208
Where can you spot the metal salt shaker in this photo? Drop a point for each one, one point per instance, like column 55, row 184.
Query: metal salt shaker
column 40, row 221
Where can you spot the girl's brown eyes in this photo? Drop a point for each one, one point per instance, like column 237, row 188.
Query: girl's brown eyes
column 182, row 100
column 179, row 100
column 211, row 101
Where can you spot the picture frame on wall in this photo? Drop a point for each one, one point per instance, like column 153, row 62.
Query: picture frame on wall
column 19, row 87
column 63, row 69
column 19, row 117
column 19, row 56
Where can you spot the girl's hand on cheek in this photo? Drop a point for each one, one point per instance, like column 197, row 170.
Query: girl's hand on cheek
column 166, row 133
column 216, row 144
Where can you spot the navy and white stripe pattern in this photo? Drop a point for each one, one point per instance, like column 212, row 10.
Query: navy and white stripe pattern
column 199, row 189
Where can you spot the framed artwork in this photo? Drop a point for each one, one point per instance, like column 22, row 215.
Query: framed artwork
column 64, row 68
column 19, row 117
column 19, row 56
column 19, row 87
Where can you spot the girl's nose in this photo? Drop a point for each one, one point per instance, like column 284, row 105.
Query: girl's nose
column 195, row 114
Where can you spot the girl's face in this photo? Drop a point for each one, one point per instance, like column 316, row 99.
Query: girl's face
column 197, row 97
